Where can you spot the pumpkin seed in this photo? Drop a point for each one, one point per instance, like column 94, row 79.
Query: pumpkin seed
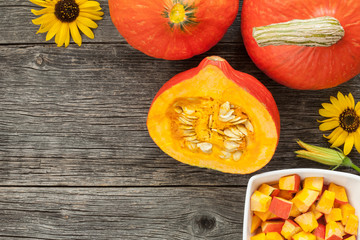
column 225, row 155
column 191, row 146
column 249, row 126
column 178, row 109
column 189, row 111
column 224, row 108
column 189, row 132
column 242, row 129
column 210, row 121
column 185, row 121
column 230, row 133
column 205, row 147
column 231, row 145
column 190, row 138
column 237, row 155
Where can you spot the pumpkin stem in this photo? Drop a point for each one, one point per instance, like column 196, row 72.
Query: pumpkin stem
column 314, row 32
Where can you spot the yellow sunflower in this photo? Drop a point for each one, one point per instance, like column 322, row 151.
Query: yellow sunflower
column 344, row 117
column 62, row 18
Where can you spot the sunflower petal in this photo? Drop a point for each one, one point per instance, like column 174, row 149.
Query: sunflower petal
column 64, row 31
column 75, row 33
column 87, row 22
column 90, row 16
column 335, row 102
column 80, row 2
column 334, row 133
column 342, row 101
column 43, row 11
column 89, row 4
column 351, row 100
column 53, row 30
column 328, row 125
column 87, row 31
column 357, row 140
column 331, row 108
column 340, row 140
column 326, row 113
column 42, row 3
column 349, row 143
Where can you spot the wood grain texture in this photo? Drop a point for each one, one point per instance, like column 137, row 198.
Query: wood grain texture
column 121, row 213
column 76, row 117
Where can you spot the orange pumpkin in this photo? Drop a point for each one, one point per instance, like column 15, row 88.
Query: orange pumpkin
column 303, row 44
column 173, row 29
column 215, row 117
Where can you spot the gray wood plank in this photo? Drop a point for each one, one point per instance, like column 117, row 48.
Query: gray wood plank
column 16, row 26
column 76, row 117
column 121, row 213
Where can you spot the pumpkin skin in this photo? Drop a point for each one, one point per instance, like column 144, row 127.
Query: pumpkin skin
column 302, row 67
column 148, row 25
column 216, row 80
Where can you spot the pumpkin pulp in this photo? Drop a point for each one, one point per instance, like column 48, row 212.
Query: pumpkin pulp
column 204, row 118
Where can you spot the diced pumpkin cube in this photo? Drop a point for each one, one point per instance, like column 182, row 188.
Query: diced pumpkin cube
column 294, row 211
column 346, row 210
column 326, row 202
column 274, row 236
column 314, row 183
column 274, row 226
column 255, row 223
column 304, row 236
column 289, row 229
column 274, row 217
column 316, row 213
column 304, row 199
column 290, row 183
column 340, row 193
column 352, row 225
column 332, row 232
column 319, row 232
column 280, row 207
column 285, row 194
column 260, row 236
column 351, row 238
column 342, row 228
column 307, row 221
column 269, row 190
column 335, row 215
column 260, row 202
column 263, row 215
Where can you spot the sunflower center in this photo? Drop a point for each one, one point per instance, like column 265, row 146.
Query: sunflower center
column 67, row 10
column 349, row 121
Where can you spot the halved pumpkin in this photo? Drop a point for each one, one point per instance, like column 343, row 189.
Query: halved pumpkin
column 215, row 117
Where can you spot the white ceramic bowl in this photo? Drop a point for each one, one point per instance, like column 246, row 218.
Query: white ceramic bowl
column 350, row 181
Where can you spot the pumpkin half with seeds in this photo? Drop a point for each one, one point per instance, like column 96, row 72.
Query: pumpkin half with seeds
column 215, row 117
column 173, row 29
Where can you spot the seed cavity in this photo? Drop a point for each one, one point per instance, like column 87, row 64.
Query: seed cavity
column 224, row 132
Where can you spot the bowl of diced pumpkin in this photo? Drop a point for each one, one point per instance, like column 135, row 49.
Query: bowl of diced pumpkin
column 302, row 204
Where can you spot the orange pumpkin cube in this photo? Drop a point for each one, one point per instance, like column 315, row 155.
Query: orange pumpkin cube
column 326, row 202
column 346, row 210
column 314, row 183
column 280, row 207
column 335, row 215
column 294, row 211
column 351, row 238
column 304, row 236
column 274, row 226
column 332, row 232
column 260, row 236
column 289, row 229
column 269, row 190
column 260, row 202
column 319, row 232
column 342, row 228
column 307, row 221
column 285, row 194
column 352, row 225
column 290, row 183
column 263, row 215
column 255, row 223
column 304, row 199
column 274, row 236
column 340, row 193
column 316, row 213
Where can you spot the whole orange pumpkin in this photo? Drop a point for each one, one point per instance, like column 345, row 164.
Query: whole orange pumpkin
column 303, row 44
column 173, row 29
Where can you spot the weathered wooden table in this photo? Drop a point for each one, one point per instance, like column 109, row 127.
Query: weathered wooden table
column 76, row 159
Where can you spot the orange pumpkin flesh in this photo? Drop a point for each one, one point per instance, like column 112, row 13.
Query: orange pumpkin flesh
column 215, row 117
